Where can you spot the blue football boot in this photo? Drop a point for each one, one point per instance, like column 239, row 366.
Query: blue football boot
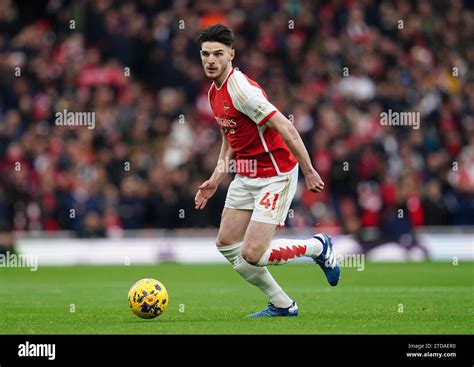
column 273, row 311
column 327, row 260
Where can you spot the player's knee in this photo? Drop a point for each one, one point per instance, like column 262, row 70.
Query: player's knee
column 223, row 240
column 250, row 255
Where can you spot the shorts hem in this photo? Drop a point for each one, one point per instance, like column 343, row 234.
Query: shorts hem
column 233, row 207
column 267, row 221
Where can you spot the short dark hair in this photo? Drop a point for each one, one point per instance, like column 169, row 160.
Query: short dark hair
column 217, row 33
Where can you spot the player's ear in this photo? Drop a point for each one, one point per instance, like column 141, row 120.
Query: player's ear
column 232, row 54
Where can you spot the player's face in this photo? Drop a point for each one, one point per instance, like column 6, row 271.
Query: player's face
column 215, row 57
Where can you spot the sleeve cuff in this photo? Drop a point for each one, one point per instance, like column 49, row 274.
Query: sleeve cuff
column 266, row 118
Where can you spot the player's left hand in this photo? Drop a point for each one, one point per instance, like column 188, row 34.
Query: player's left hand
column 313, row 181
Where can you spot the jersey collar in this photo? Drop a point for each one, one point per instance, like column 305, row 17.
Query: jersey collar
column 225, row 80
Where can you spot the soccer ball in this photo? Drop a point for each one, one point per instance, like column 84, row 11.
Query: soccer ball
column 148, row 298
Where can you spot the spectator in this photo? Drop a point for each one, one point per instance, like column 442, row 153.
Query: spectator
column 136, row 66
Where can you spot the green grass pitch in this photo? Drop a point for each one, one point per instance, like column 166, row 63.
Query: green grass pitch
column 385, row 298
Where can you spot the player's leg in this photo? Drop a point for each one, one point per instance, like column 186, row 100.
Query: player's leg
column 260, row 250
column 229, row 242
column 272, row 202
column 234, row 223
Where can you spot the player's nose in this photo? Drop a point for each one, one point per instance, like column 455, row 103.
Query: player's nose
column 211, row 59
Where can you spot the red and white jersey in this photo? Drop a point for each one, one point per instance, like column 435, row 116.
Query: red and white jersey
column 241, row 109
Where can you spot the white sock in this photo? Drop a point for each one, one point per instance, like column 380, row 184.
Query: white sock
column 283, row 251
column 258, row 276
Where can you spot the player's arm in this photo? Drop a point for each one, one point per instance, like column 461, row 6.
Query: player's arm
column 225, row 155
column 208, row 188
column 293, row 140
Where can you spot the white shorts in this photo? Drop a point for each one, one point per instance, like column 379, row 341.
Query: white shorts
column 269, row 198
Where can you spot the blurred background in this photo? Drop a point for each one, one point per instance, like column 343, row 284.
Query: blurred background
column 332, row 67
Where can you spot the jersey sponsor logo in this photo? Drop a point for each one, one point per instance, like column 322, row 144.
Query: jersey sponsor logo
column 259, row 111
column 228, row 125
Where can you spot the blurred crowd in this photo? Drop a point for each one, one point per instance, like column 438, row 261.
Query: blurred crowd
column 332, row 67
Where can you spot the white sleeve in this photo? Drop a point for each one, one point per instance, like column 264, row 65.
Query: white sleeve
column 249, row 99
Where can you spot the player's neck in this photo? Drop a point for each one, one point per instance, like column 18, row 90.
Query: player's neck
column 221, row 79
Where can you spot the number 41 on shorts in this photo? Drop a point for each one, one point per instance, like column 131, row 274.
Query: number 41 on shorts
column 267, row 203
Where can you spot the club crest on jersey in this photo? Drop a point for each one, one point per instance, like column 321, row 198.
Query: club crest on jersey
column 226, row 107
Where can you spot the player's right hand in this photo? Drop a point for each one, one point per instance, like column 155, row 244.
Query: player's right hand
column 204, row 193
